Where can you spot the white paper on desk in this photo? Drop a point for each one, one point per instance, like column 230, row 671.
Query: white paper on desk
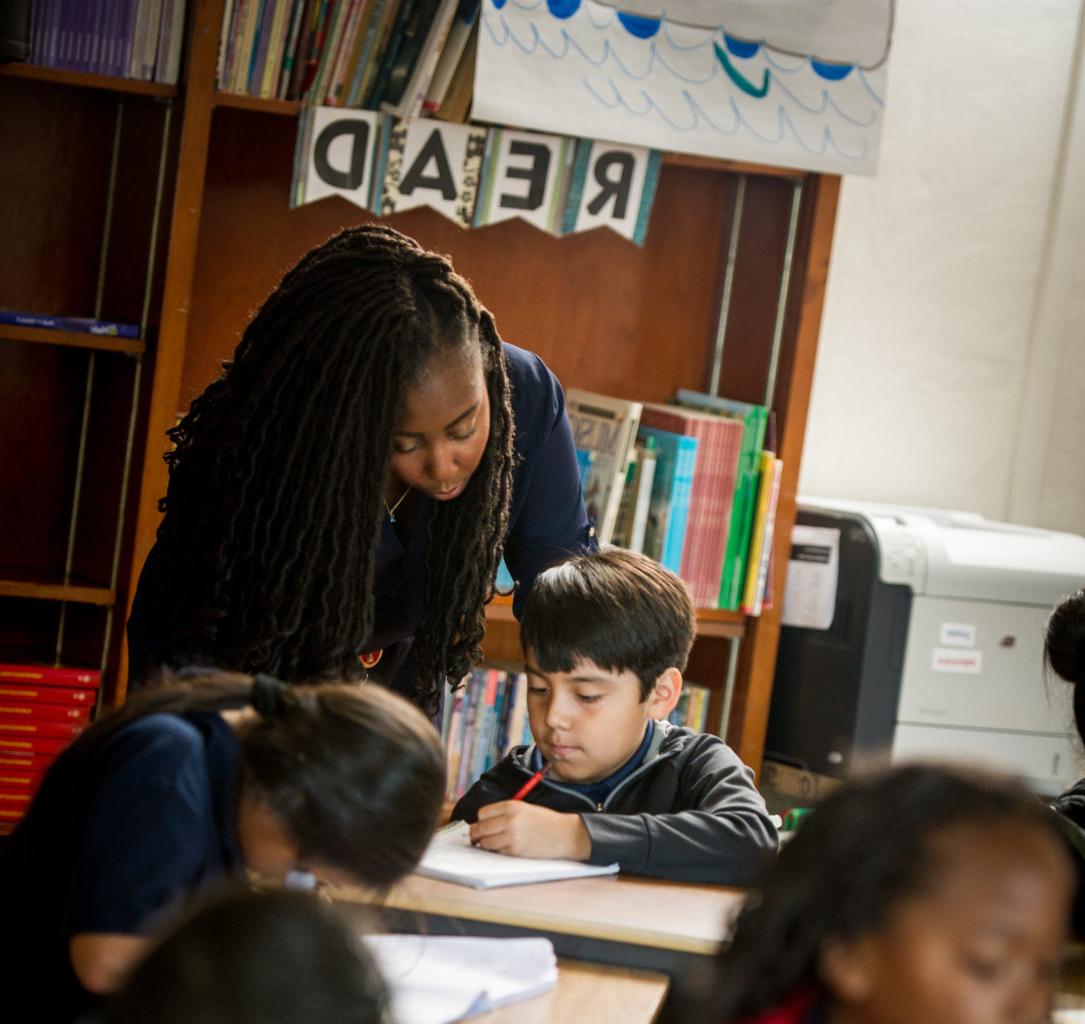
column 451, row 858
column 1068, row 1017
column 439, row 979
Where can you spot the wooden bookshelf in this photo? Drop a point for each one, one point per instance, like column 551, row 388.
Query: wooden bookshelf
column 85, row 80
column 71, row 339
column 651, row 313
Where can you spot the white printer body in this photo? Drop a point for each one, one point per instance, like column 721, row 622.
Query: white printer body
column 939, row 648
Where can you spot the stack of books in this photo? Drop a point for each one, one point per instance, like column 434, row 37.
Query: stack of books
column 406, row 57
column 42, row 709
column 694, row 484
column 124, row 38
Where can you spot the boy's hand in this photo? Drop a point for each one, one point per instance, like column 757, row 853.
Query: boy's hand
column 526, row 830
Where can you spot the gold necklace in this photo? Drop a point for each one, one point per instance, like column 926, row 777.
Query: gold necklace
column 392, row 511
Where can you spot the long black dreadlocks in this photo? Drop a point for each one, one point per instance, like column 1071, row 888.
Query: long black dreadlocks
column 277, row 475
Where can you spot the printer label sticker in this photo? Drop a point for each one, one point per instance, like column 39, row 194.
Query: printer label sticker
column 957, row 634
column 812, row 573
column 948, row 659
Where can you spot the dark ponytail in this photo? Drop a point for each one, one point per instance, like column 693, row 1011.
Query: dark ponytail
column 1064, row 649
column 354, row 773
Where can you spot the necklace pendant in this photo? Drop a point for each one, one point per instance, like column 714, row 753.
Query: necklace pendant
column 391, row 519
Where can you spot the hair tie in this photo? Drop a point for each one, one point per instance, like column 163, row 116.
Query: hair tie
column 267, row 695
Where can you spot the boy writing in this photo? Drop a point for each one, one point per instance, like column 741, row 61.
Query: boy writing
column 606, row 638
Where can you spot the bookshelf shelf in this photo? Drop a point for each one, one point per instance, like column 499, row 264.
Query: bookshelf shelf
column 71, row 339
column 239, row 101
column 101, row 596
column 84, row 80
column 710, row 622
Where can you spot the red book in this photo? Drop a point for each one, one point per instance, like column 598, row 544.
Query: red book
column 15, row 744
column 38, row 727
column 18, row 799
column 20, row 781
column 47, row 694
column 18, row 711
column 18, row 762
column 83, row 677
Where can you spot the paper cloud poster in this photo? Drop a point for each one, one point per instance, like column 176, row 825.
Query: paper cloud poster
column 797, row 83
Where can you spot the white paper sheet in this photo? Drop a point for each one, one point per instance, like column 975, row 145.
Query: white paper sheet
column 438, row 979
column 452, row 858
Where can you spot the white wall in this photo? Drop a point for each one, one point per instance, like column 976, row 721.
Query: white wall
column 954, row 292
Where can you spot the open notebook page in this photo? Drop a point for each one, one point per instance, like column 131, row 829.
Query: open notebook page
column 438, row 979
column 451, row 858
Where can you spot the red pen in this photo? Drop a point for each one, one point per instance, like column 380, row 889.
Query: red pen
column 531, row 783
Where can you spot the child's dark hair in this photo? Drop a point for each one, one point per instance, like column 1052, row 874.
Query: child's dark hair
column 277, row 474
column 1064, row 649
column 620, row 609
column 354, row 772
column 249, row 957
column 865, row 848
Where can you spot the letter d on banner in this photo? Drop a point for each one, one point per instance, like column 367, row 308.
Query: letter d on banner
column 337, row 150
column 612, row 186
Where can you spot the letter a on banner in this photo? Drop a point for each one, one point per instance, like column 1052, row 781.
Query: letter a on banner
column 336, row 154
column 612, row 186
column 525, row 175
column 430, row 163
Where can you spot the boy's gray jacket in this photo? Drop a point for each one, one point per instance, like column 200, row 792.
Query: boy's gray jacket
column 690, row 811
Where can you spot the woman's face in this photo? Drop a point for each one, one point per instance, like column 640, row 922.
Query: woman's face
column 444, row 426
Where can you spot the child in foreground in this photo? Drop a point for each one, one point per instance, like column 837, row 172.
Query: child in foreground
column 919, row 894
column 606, row 638
column 247, row 957
column 190, row 783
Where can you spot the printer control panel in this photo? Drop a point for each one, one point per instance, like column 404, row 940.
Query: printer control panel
column 903, row 553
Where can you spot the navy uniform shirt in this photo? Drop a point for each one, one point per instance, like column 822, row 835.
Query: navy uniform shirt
column 111, row 841
column 547, row 523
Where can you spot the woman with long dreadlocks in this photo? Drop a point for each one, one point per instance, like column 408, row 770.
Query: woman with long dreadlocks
column 339, row 499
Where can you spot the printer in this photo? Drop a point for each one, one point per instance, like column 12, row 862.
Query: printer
column 918, row 633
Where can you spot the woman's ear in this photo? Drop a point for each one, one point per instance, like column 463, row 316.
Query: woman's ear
column 665, row 693
column 848, row 968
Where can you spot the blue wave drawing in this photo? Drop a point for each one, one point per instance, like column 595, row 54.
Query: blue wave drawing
column 696, row 82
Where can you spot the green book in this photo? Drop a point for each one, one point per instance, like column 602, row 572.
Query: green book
column 754, row 419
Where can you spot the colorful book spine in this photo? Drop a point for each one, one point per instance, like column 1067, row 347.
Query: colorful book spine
column 75, row 324
column 760, row 591
column 49, row 675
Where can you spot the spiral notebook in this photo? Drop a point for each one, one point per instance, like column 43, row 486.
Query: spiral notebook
column 451, row 858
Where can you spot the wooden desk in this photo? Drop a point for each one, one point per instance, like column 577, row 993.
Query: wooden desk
column 591, row 993
column 613, row 919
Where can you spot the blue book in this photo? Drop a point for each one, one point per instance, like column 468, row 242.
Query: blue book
column 668, row 510
column 583, row 463
column 75, row 324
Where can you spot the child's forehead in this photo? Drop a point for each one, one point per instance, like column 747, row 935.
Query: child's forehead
column 582, row 669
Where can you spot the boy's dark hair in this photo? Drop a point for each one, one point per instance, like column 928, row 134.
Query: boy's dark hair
column 277, row 474
column 866, row 847
column 620, row 609
column 251, row 957
column 354, row 773
column 1064, row 649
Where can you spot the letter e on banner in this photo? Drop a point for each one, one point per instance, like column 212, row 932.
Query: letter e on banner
column 524, row 177
column 341, row 152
